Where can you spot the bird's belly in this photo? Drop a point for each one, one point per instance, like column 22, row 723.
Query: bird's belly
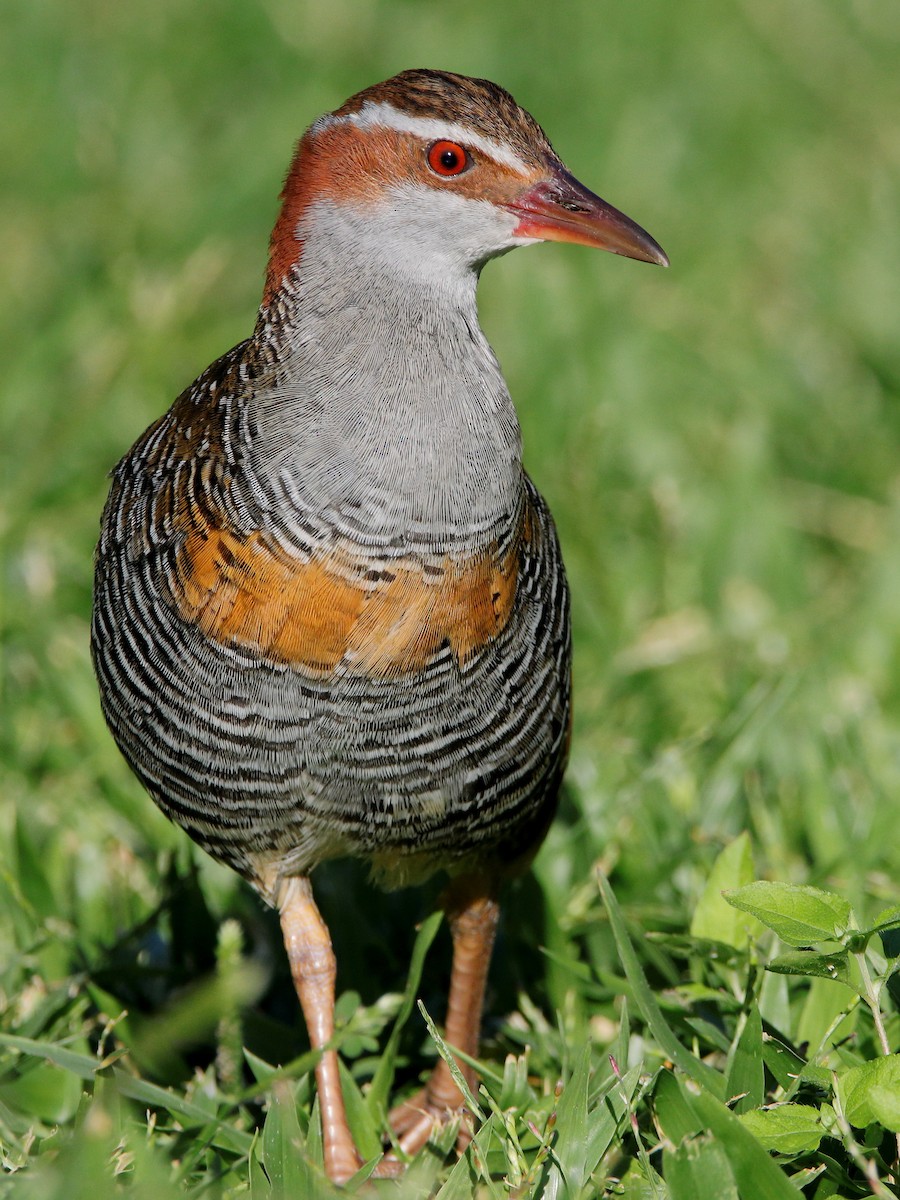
column 262, row 763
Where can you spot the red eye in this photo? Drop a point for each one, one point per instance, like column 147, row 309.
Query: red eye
column 447, row 158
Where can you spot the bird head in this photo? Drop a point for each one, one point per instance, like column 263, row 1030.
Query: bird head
column 438, row 173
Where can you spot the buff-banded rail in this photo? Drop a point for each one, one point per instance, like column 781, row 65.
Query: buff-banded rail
column 330, row 613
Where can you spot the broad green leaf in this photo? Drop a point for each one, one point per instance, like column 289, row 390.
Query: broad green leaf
column 856, row 1086
column 756, row 1175
column 714, row 919
column 705, row 1075
column 808, row 962
column 698, row 1169
column 744, row 1073
column 788, row 1129
column 885, row 1104
column 800, row 915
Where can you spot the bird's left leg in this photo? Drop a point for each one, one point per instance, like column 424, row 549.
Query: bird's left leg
column 472, row 911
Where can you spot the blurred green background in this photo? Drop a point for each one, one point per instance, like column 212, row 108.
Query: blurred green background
column 720, row 443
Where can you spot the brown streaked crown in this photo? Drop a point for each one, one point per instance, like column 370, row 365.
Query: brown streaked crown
column 487, row 108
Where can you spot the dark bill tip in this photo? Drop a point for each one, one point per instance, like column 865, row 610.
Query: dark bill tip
column 560, row 209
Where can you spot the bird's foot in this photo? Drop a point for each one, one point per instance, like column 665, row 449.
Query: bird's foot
column 390, row 1167
column 341, row 1170
column 415, row 1120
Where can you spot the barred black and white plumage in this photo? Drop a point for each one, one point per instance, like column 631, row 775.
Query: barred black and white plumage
column 262, row 760
column 267, row 762
column 330, row 612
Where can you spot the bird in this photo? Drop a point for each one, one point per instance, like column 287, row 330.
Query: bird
column 330, row 614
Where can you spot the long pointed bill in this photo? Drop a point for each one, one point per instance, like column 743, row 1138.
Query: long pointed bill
column 560, row 209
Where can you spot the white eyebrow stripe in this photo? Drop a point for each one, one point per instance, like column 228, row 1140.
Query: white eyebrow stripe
column 385, row 115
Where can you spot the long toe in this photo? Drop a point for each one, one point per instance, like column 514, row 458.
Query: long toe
column 416, row 1120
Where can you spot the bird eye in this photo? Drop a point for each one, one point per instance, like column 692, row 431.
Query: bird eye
column 448, row 158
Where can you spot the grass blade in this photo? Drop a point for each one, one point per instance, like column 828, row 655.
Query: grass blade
column 380, row 1089
column 704, row 1075
column 757, row 1176
column 447, row 1055
column 744, row 1073
column 699, row 1170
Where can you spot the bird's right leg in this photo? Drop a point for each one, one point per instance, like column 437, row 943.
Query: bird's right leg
column 314, row 969
column 472, row 911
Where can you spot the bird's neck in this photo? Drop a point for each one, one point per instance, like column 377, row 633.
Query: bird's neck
column 387, row 415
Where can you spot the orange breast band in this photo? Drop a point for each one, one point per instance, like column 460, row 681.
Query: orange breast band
column 242, row 589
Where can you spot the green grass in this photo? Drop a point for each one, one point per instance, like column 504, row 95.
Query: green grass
column 721, row 447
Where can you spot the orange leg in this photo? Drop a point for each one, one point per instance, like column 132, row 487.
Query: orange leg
column 313, row 969
column 472, row 912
